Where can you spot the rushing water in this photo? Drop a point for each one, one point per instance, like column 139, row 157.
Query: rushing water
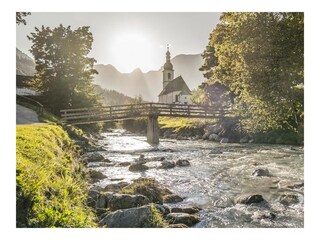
column 217, row 175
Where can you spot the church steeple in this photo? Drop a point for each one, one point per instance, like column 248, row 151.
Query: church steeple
column 167, row 69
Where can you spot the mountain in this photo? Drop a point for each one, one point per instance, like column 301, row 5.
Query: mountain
column 149, row 84
column 24, row 64
column 112, row 97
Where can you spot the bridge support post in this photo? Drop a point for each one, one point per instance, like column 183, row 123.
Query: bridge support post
column 153, row 130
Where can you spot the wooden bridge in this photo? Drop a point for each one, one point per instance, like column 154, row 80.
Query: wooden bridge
column 150, row 110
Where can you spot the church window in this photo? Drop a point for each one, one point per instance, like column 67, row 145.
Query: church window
column 169, row 76
column 177, row 98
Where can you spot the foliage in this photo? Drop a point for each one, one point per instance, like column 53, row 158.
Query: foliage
column 112, row 97
column 134, row 125
column 64, row 72
column 259, row 57
column 185, row 126
column 50, row 185
column 157, row 220
column 20, row 17
column 147, row 187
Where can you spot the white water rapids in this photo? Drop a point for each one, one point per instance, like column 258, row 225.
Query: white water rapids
column 217, row 175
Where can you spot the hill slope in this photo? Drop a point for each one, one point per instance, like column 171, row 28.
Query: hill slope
column 24, row 64
column 149, row 84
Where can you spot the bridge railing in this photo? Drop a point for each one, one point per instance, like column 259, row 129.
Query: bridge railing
column 140, row 110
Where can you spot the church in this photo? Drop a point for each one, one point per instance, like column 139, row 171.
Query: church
column 175, row 90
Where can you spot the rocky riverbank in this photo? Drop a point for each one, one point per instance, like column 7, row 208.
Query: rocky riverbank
column 124, row 191
column 225, row 130
column 141, row 203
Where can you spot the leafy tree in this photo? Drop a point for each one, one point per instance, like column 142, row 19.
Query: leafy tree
column 259, row 57
column 64, row 71
column 20, row 17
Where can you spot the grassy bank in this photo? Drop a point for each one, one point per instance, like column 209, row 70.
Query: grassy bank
column 50, row 184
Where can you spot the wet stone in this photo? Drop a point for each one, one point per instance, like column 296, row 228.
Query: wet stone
column 261, row 173
column 249, row 199
column 288, row 199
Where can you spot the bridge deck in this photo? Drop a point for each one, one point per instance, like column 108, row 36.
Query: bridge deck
column 120, row 112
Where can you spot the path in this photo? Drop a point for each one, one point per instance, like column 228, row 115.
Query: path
column 25, row 115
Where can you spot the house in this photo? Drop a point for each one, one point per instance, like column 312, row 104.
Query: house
column 175, row 90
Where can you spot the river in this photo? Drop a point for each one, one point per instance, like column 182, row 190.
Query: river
column 217, row 175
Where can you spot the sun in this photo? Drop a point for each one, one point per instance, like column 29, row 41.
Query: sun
column 132, row 49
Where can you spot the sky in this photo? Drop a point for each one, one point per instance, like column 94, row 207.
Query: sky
column 130, row 40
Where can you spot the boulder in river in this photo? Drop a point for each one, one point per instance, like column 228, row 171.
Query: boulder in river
column 182, row 163
column 224, row 140
column 166, row 164
column 177, row 225
column 123, row 201
column 190, row 210
column 288, row 199
column 261, row 173
column 183, row 218
column 115, row 187
column 206, row 136
column 138, row 217
column 138, row 167
column 244, row 140
column 214, row 137
column 172, row 198
column 124, row 164
column 93, row 157
column 149, row 188
column 249, row 199
column 96, row 175
column 216, row 151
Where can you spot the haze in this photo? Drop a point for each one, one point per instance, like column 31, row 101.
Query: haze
column 131, row 40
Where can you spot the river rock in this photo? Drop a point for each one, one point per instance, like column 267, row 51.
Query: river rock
column 244, row 140
column 190, row 210
column 115, row 187
column 264, row 215
column 248, row 199
column 138, row 167
column 96, row 175
column 205, row 136
column 166, row 164
column 172, row 198
column 224, row 140
column 297, row 185
column 124, row 164
column 123, row 201
column 288, row 199
column 183, row 218
column 182, row 163
column 92, row 157
column 261, row 173
column 178, row 225
column 103, row 200
column 216, row 151
column 138, row 217
column 214, row 137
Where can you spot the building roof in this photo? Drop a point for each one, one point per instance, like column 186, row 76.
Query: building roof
column 177, row 84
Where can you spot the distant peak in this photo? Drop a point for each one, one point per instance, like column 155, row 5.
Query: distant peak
column 136, row 70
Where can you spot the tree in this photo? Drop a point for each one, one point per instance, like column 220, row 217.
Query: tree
column 259, row 57
column 20, row 17
column 64, row 71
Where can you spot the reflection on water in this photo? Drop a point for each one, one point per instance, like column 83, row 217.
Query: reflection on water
column 218, row 173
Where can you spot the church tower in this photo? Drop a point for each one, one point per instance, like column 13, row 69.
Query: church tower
column 167, row 70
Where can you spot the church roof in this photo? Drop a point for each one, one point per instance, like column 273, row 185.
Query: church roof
column 177, row 84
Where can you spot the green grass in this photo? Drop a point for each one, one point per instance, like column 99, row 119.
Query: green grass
column 50, row 184
column 157, row 220
column 184, row 125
